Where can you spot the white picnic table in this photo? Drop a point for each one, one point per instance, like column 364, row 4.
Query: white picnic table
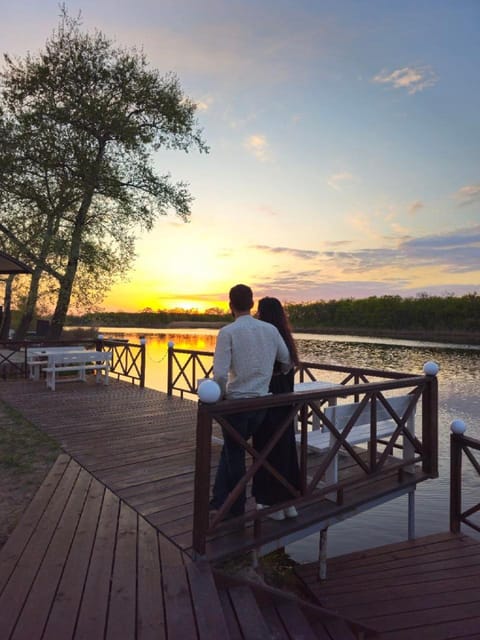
column 38, row 357
column 60, row 360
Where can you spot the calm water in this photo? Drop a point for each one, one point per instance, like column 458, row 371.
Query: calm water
column 459, row 397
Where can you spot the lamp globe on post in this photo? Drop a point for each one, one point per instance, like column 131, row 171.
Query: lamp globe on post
column 209, row 391
column 431, row 368
column 458, row 427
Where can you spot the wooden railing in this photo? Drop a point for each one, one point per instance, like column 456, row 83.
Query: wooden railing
column 185, row 368
column 13, row 359
column 461, row 445
column 128, row 359
column 422, row 450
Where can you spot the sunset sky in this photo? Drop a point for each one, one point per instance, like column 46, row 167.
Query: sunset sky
column 344, row 144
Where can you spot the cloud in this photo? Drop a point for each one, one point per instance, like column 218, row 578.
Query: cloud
column 302, row 291
column 342, row 273
column 204, row 104
column 415, row 206
column 457, row 251
column 337, row 180
column 257, row 145
column 468, row 194
column 413, row 79
column 465, row 237
column 297, row 253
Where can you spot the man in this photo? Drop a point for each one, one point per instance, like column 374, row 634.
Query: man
column 245, row 354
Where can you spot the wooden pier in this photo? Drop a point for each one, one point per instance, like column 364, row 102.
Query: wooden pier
column 105, row 548
column 85, row 563
column 140, row 443
column 427, row 588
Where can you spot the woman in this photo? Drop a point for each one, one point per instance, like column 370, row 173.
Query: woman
column 266, row 489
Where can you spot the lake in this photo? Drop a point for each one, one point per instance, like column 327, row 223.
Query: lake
column 459, row 397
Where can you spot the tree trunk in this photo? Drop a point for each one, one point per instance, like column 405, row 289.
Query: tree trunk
column 7, row 314
column 30, row 305
column 66, row 283
column 63, row 302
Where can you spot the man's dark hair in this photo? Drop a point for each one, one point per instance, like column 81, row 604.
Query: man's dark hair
column 241, row 297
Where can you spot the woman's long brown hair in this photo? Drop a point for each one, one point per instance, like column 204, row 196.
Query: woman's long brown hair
column 271, row 310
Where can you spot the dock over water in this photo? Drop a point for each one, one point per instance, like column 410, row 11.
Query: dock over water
column 105, row 548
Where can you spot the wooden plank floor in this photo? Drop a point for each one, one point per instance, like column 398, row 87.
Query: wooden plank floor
column 99, row 553
column 83, row 565
column 428, row 588
column 141, row 444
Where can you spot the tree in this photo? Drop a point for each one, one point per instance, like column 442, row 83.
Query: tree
column 79, row 123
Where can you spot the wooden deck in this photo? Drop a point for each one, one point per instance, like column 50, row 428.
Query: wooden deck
column 428, row 588
column 103, row 550
column 83, row 565
column 140, row 443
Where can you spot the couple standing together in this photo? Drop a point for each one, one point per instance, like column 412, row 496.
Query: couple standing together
column 255, row 357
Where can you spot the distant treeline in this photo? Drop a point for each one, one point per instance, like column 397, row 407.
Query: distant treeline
column 145, row 319
column 387, row 313
column 423, row 313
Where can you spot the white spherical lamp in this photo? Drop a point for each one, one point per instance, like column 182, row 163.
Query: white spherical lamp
column 209, row 391
column 458, row 427
column 171, row 344
column 430, row 368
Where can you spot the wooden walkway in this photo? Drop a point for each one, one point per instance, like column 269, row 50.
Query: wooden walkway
column 140, row 443
column 85, row 563
column 427, row 589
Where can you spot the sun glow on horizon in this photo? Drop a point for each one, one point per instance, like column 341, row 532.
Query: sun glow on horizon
column 137, row 301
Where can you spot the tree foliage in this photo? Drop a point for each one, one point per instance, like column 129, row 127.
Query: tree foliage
column 78, row 124
column 391, row 313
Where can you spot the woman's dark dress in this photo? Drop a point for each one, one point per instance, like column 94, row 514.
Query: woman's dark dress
column 266, row 488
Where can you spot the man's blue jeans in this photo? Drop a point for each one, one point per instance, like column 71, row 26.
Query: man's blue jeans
column 231, row 467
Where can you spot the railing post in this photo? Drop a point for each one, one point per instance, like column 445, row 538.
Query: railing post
column 303, row 450
column 455, row 482
column 201, row 494
column 430, row 425
column 143, row 351
column 25, row 360
column 171, row 347
column 457, row 428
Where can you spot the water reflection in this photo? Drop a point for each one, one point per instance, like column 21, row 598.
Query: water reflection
column 458, row 398
column 157, row 348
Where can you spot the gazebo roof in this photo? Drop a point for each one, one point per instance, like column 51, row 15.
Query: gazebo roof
column 12, row 265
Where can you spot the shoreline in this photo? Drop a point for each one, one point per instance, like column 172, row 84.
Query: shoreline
column 442, row 337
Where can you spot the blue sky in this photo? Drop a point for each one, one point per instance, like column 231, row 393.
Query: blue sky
column 344, row 144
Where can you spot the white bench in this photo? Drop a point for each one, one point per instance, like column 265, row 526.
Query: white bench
column 80, row 362
column 38, row 356
column 317, row 385
column 339, row 416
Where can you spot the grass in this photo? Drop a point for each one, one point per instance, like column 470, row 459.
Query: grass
column 23, row 447
column 276, row 569
column 26, row 455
